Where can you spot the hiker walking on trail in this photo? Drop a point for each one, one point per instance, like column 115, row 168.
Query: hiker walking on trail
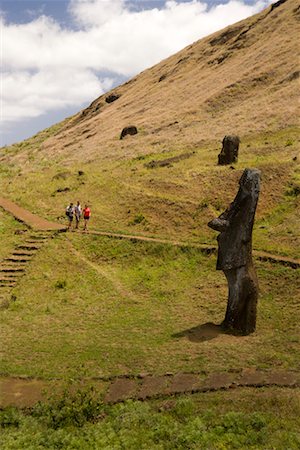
column 70, row 214
column 77, row 210
column 86, row 216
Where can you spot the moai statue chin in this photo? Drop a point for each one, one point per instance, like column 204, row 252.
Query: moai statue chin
column 235, row 254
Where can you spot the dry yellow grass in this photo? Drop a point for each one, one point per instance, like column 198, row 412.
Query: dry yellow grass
column 253, row 89
column 241, row 80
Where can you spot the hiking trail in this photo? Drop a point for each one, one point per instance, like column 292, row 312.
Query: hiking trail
column 26, row 391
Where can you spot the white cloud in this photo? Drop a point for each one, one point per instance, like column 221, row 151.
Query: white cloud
column 96, row 12
column 28, row 94
column 47, row 67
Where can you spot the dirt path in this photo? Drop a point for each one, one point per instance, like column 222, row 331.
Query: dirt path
column 38, row 223
column 22, row 392
column 33, row 221
column 205, row 248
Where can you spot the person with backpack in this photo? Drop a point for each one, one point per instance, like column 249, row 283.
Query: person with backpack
column 77, row 210
column 86, row 216
column 70, row 214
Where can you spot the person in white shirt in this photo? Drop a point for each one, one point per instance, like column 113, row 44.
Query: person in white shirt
column 77, row 214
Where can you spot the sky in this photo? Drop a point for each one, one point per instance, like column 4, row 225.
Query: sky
column 57, row 56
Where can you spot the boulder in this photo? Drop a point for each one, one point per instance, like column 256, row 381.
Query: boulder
column 130, row 130
column 112, row 98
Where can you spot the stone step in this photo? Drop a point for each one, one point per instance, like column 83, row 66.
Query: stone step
column 37, row 240
column 15, row 259
column 6, row 263
column 11, row 275
column 22, row 253
column 28, row 247
column 12, row 269
column 8, row 276
column 7, row 284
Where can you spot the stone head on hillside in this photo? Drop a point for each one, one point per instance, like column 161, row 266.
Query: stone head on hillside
column 230, row 150
column 130, row 130
column 235, row 254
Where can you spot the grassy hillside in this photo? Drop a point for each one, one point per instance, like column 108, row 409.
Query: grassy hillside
column 90, row 306
column 101, row 307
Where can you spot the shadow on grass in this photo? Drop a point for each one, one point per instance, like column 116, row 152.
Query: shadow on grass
column 201, row 333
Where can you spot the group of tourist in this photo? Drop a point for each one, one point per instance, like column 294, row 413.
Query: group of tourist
column 76, row 211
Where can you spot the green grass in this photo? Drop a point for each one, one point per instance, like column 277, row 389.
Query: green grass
column 171, row 202
column 242, row 419
column 8, row 227
column 91, row 306
column 111, row 307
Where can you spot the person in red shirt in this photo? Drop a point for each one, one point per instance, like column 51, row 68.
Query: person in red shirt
column 86, row 216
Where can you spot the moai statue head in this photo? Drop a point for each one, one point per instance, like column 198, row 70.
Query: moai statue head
column 236, row 223
column 230, row 150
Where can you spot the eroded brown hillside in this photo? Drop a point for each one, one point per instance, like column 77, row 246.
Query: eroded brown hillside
column 165, row 180
column 243, row 79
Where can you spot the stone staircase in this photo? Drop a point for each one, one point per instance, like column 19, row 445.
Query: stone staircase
column 13, row 267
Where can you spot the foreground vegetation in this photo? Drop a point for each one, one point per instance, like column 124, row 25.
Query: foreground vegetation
column 241, row 419
column 94, row 307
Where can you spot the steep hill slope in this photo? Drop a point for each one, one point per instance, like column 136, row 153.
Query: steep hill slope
column 243, row 80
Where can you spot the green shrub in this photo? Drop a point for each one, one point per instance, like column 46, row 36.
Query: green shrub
column 139, row 218
column 9, row 417
column 69, row 409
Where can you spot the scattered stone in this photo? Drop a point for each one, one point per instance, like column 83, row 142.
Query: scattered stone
column 230, row 149
column 112, row 98
column 21, row 231
column 130, row 130
column 162, row 78
column 293, row 76
column 275, row 5
column 80, row 173
column 66, row 189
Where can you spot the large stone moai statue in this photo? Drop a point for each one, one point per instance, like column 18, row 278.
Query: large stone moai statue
column 235, row 254
column 230, row 150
